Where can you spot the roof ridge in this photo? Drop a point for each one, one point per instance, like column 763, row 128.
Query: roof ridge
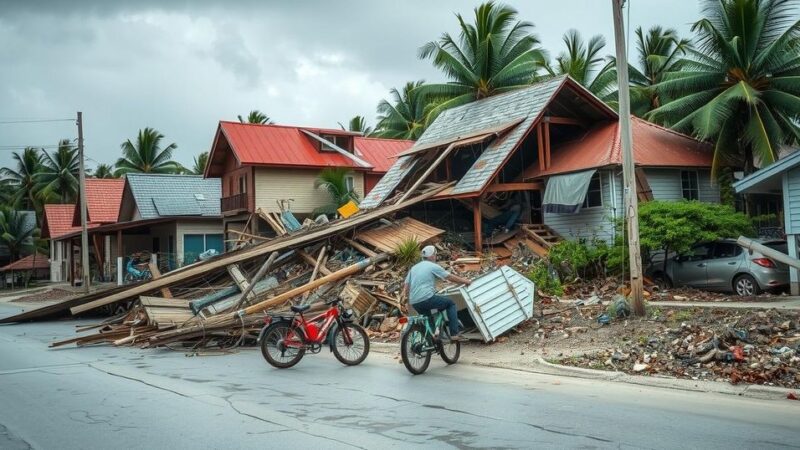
column 385, row 139
column 296, row 127
column 660, row 127
column 559, row 78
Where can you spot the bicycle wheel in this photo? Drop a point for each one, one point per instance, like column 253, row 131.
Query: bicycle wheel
column 449, row 350
column 356, row 352
column 415, row 360
column 282, row 345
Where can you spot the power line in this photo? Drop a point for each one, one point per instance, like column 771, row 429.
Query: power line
column 35, row 121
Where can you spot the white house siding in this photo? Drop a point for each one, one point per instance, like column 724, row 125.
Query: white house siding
column 273, row 184
column 792, row 201
column 592, row 223
column 210, row 226
column 666, row 185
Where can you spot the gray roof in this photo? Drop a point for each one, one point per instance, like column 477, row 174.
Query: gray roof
column 525, row 104
column 165, row 195
column 764, row 176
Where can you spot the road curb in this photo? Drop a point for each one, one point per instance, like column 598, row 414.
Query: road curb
column 547, row 368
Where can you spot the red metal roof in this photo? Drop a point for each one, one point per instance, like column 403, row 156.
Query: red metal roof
column 103, row 199
column 58, row 220
column 28, row 263
column 288, row 146
column 653, row 146
column 381, row 153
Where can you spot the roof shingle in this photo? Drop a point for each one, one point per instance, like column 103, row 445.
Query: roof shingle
column 168, row 195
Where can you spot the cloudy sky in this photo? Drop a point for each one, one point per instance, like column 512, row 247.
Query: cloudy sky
column 181, row 66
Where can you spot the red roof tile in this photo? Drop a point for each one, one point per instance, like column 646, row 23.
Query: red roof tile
column 103, row 199
column 381, row 153
column 653, row 146
column 28, row 263
column 288, row 146
column 58, row 220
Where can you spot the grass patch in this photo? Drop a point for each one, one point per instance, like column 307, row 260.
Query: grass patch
column 683, row 315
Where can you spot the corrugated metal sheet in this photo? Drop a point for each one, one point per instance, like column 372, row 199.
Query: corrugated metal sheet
column 497, row 301
column 399, row 170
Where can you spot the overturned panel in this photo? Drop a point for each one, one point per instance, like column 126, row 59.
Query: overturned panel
column 496, row 301
column 388, row 238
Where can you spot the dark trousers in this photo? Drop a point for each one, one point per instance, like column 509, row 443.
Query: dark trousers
column 440, row 303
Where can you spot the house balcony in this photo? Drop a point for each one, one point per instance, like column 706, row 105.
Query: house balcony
column 234, row 204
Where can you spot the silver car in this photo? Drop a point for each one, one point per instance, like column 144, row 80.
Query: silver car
column 723, row 266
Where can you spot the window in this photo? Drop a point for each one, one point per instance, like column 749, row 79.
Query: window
column 699, row 252
column 243, row 184
column 594, row 195
column 339, row 141
column 350, row 182
column 726, row 250
column 689, row 185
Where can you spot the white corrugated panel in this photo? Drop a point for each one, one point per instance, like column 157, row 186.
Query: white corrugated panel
column 497, row 301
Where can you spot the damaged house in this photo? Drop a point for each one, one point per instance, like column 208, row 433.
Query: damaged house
column 548, row 157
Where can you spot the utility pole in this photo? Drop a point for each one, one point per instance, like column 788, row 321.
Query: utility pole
column 84, row 234
column 628, row 173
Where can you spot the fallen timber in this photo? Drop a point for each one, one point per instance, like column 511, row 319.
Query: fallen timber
column 291, row 241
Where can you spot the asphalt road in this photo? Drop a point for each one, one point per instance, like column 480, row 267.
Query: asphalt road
column 102, row 397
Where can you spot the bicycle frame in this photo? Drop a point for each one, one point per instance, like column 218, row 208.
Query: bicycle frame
column 430, row 331
column 315, row 330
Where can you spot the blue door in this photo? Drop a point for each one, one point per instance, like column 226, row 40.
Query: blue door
column 193, row 245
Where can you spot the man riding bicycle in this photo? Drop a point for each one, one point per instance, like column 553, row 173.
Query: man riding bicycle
column 420, row 289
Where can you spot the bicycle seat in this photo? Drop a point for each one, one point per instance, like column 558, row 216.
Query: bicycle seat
column 430, row 312
column 300, row 308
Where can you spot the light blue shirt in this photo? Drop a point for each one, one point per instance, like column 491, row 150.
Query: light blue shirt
column 422, row 280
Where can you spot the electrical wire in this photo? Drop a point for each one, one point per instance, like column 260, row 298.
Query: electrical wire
column 6, row 122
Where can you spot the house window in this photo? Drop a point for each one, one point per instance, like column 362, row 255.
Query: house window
column 689, row 185
column 594, row 195
column 350, row 182
column 339, row 141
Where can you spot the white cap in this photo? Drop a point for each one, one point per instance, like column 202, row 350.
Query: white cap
column 428, row 251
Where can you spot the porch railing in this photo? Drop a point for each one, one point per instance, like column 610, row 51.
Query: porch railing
column 236, row 202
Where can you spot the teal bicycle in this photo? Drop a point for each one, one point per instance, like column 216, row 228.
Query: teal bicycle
column 424, row 335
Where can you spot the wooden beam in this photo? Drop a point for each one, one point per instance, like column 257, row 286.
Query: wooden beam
column 98, row 251
column 313, row 262
column 477, row 225
column 427, row 172
column 361, row 248
column 506, row 187
column 564, row 121
column 165, row 292
column 547, row 145
column 540, row 145
column 241, row 281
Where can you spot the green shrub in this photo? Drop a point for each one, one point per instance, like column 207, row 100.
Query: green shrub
column 407, row 253
column 544, row 279
column 581, row 259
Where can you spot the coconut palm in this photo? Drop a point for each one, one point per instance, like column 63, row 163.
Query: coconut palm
column 58, row 179
column 256, row 116
column 200, row 163
column 658, row 52
column 23, row 179
column 147, row 156
column 357, row 124
column 104, row 171
column 404, row 116
column 740, row 86
column 495, row 54
column 16, row 232
column 583, row 62
column 334, row 180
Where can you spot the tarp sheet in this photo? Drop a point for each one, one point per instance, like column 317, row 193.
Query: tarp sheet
column 565, row 194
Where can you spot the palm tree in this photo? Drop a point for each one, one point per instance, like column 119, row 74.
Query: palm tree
column 147, row 156
column 23, row 179
column 495, row 54
column 58, row 179
column 739, row 87
column 404, row 116
column 357, row 124
column 334, row 180
column 582, row 61
column 200, row 163
column 104, row 171
column 16, row 232
column 658, row 53
column 256, row 116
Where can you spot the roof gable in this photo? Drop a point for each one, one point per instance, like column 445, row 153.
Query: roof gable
column 168, row 195
column 57, row 220
column 103, row 199
column 764, row 175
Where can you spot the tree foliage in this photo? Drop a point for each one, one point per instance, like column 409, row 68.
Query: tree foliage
column 334, row 180
column 658, row 52
column 583, row 62
column 104, row 171
column 404, row 116
column 16, row 232
column 358, row 124
column 494, row 54
column 256, row 117
column 22, row 179
column 200, row 163
column 146, row 155
column 740, row 86
column 57, row 180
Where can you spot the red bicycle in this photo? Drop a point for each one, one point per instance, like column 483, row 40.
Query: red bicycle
column 285, row 339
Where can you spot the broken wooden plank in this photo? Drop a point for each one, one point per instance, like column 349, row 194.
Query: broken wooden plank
column 388, row 238
column 165, row 292
column 241, row 281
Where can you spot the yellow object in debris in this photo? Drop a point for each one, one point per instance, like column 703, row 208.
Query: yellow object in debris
column 348, row 209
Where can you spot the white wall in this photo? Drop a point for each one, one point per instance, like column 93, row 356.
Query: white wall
column 596, row 222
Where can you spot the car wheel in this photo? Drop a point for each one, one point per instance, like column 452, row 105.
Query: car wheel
column 746, row 286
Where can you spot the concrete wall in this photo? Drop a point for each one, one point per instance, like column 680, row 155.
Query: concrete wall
column 275, row 184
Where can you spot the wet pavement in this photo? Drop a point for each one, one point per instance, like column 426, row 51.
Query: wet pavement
column 105, row 397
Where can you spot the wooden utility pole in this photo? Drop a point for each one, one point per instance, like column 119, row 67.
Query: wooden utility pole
column 628, row 174
column 84, row 235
